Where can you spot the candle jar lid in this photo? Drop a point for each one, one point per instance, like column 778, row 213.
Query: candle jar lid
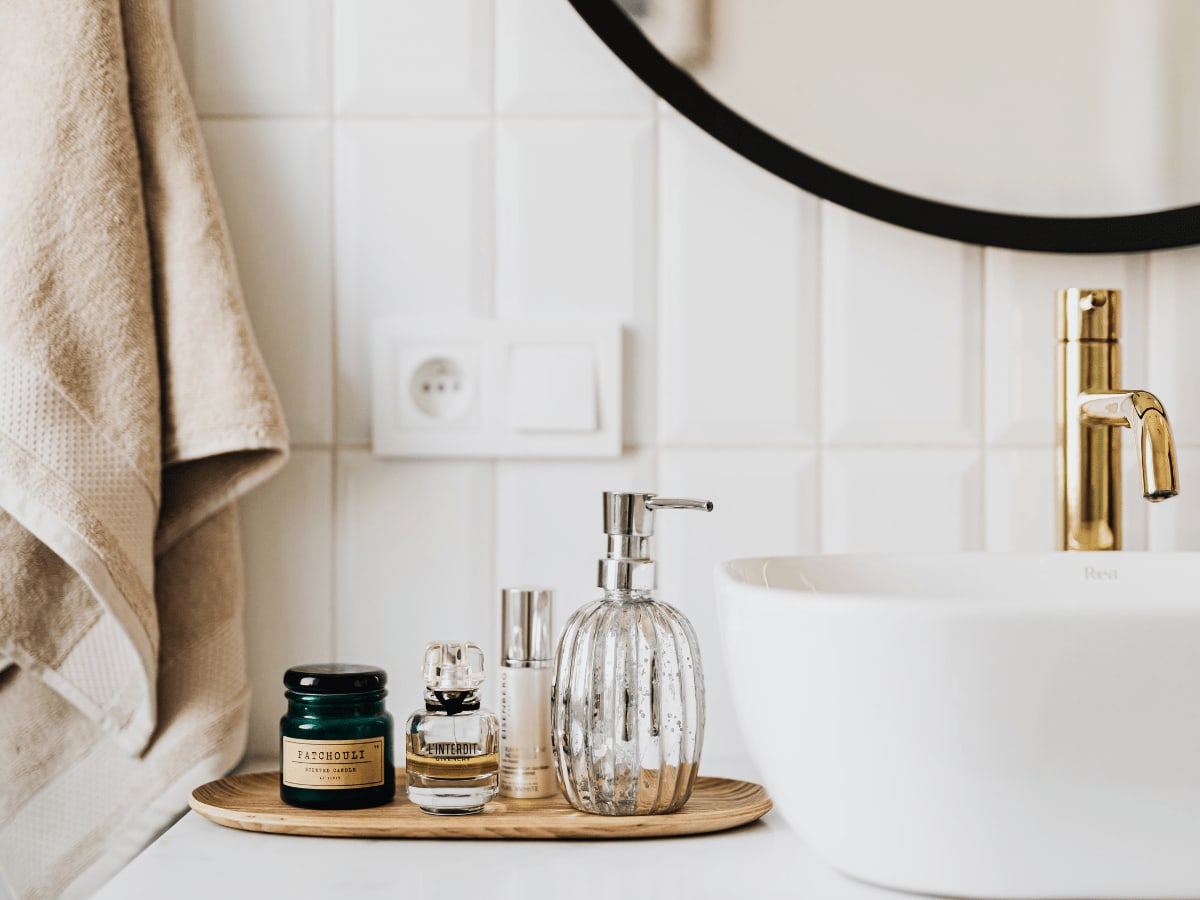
column 334, row 678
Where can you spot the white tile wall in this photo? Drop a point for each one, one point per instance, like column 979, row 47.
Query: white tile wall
column 1019, row 499
column 413, row 562
column 575, row 234
column 832, row 383
column 405, row 57
column 284, row 259
column 902, row 337
column 287, row 541
column 901, row 499
column 574, row 215
column 547, row 63
column 739, row 338
column 258, row 58
column 413, row 236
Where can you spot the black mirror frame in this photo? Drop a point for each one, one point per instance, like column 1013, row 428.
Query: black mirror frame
column 1176, row 227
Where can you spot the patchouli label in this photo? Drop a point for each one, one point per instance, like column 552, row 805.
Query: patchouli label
column 332, row 765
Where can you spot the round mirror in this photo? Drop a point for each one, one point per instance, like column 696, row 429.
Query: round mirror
column 1056, row 125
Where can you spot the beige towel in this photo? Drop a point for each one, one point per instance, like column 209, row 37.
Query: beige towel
column 134, row 408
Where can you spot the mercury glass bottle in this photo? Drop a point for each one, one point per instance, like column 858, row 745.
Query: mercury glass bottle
column 452, row 746
column 628, row 695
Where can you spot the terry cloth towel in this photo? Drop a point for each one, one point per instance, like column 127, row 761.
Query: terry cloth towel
column 134, row 409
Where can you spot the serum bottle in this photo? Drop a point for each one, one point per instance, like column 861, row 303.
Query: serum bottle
column 452, row 745
column 526, row 671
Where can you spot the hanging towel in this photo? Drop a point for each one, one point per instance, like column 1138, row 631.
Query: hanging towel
column 134, row 410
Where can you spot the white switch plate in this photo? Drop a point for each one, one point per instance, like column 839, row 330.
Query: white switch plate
column 445, row 388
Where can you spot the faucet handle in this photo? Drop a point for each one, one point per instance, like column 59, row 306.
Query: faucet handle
column 1089, row 314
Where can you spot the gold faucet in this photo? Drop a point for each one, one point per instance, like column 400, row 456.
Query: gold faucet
column 1090, row 409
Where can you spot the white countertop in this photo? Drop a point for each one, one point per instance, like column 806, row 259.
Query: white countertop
column 199, row 859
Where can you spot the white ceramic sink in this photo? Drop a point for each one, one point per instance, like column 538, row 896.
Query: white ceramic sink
column 978, row 725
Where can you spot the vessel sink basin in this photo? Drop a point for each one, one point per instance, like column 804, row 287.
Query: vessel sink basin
column 978, row 725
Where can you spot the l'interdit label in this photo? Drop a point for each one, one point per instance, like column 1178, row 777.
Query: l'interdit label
column 332, row 765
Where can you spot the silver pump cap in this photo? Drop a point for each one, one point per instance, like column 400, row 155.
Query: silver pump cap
column 525, row 626
column 629, row 524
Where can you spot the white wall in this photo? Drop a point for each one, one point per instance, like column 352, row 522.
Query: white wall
column 832, row 383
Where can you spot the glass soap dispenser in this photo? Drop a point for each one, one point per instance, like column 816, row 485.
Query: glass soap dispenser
column 452, row 746
column 628, row 696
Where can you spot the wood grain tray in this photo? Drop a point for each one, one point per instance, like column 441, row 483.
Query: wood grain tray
column 251, row 803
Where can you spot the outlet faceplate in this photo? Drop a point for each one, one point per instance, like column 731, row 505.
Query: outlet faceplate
column 440, row 388
column 488, row 388
column 436, row 385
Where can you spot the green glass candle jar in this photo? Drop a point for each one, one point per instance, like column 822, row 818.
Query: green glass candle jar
column 335, row 742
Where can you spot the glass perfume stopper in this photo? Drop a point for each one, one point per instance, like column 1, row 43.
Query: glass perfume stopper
column 453, row 666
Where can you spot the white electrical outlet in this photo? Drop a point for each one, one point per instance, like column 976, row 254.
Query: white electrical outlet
column 483, row 388
column 437, row 385
column 440, row 388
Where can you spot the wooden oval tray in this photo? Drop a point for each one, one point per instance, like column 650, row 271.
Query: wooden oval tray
column 251, row 803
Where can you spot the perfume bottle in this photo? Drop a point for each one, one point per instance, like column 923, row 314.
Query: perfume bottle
column 526, row 668
column 452, row 746
column 628, row 695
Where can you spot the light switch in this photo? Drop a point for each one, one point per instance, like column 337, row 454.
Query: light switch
column 552, row 388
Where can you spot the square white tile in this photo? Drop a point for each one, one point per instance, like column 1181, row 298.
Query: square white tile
column 284, row 260
column 269, row 57
column 406, row 57
column 1174, row 322
column 1021, row 500
column 413, row 234
column 414, row 565
column 901, row 500
column 738, row 339
column 548, row 61
column 1021, row 302
column 575, row 236
column 902, row 335
column 287, row 543
column 764, row 503
column 549, row 527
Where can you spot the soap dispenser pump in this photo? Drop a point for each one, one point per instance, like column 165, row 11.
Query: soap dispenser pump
column 628, row 694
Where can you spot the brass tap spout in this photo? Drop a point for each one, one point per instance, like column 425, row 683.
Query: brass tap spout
column 1091, row 408
column 1142, row 412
